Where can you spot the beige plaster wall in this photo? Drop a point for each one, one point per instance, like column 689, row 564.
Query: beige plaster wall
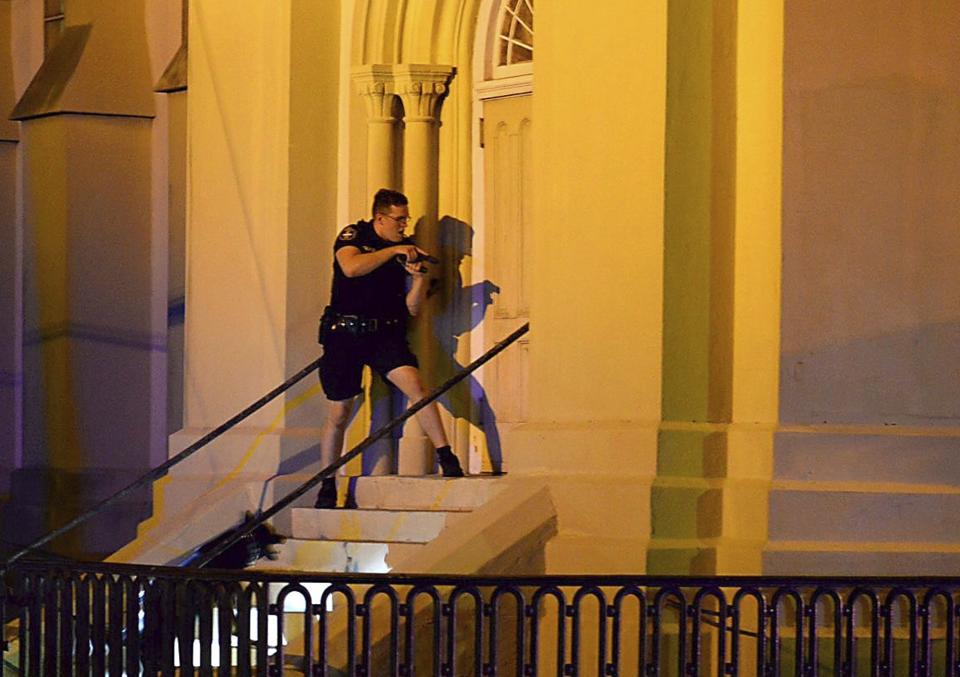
column 595, row 341
column 313, row 195
column 871, row 215
column 598, row 139
column 264, row 164
column 238, row 112
column 26, row 41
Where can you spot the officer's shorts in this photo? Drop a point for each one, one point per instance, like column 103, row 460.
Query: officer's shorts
column 341, row 366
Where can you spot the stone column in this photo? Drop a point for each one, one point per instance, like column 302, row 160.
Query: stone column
column 383, row 167
column 374, row 83
column 422, row 89
column 722, row 289
column 92, row 345
column 173, row 83
column 11, row 286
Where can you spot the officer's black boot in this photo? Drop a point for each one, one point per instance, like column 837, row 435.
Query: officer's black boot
column 449, row 463
column 350, row 502
column 327, row 496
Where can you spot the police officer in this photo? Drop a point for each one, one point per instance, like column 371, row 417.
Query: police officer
column 379, row 281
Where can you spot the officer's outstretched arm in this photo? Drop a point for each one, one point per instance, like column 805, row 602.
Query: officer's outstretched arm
column 355, row 263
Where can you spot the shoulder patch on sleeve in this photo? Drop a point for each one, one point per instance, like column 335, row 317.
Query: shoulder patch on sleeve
column 348, row 233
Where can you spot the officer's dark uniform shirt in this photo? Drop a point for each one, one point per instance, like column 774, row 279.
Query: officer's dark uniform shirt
column 380, row 293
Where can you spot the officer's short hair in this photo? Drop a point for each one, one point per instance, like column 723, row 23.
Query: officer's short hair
column 386, row 198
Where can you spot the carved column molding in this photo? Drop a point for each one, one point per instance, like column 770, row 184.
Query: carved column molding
column 422, row 90
column 374, row 84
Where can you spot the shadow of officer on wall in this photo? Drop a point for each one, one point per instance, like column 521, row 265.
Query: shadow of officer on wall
column 457, row 310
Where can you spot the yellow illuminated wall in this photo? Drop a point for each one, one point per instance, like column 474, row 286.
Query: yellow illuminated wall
column 869, row 396
column 871, row 302
column 744, row 225
column 721, row 286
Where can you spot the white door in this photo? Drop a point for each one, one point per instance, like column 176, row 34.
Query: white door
column 507, row 145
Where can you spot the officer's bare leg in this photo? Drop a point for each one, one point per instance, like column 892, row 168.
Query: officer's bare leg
column 331, row 446
column 333, row 428
column 407, row 379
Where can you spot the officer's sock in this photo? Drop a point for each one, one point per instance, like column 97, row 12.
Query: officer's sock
column 327, row 496
column 449, row 463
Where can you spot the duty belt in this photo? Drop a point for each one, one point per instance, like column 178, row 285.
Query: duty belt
column 355, row 324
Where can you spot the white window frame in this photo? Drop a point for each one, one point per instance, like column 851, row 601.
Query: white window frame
column 509, row 70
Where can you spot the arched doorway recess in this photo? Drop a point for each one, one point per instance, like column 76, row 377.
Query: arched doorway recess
column 489, row 44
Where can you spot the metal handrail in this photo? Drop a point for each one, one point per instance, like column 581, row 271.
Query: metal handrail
column 249, row 526
column 162, row 469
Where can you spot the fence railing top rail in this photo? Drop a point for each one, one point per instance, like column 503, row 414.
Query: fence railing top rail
column 545, row 580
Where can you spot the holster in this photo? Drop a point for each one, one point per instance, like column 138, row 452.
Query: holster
column 327, row 321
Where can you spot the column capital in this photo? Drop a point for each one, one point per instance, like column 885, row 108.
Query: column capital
column 374, row 83
column 422, row 89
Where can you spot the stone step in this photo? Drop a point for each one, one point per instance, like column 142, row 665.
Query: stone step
column 788, row 558
column 904, row 457
column 403, row 526
column 872, row 514
column 425, row 493
column 397, row 492
column 344, row 556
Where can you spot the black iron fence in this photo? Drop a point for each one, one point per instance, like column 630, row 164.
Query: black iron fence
column 115, row 619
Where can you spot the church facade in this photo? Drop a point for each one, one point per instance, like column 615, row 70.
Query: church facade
column 732, row 226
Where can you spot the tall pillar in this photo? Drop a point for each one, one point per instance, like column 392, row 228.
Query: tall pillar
column 721, row 288
column 422, row 88
column 374, row 84
column 91, row 344
column 596, row 278
column 173, row 83
column 11, row 298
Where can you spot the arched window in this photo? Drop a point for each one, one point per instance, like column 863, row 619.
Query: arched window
column 514, row 50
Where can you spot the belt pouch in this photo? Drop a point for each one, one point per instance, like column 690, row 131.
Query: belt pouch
column 327, row 320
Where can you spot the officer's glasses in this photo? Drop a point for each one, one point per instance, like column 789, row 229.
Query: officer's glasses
column 401, row 219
